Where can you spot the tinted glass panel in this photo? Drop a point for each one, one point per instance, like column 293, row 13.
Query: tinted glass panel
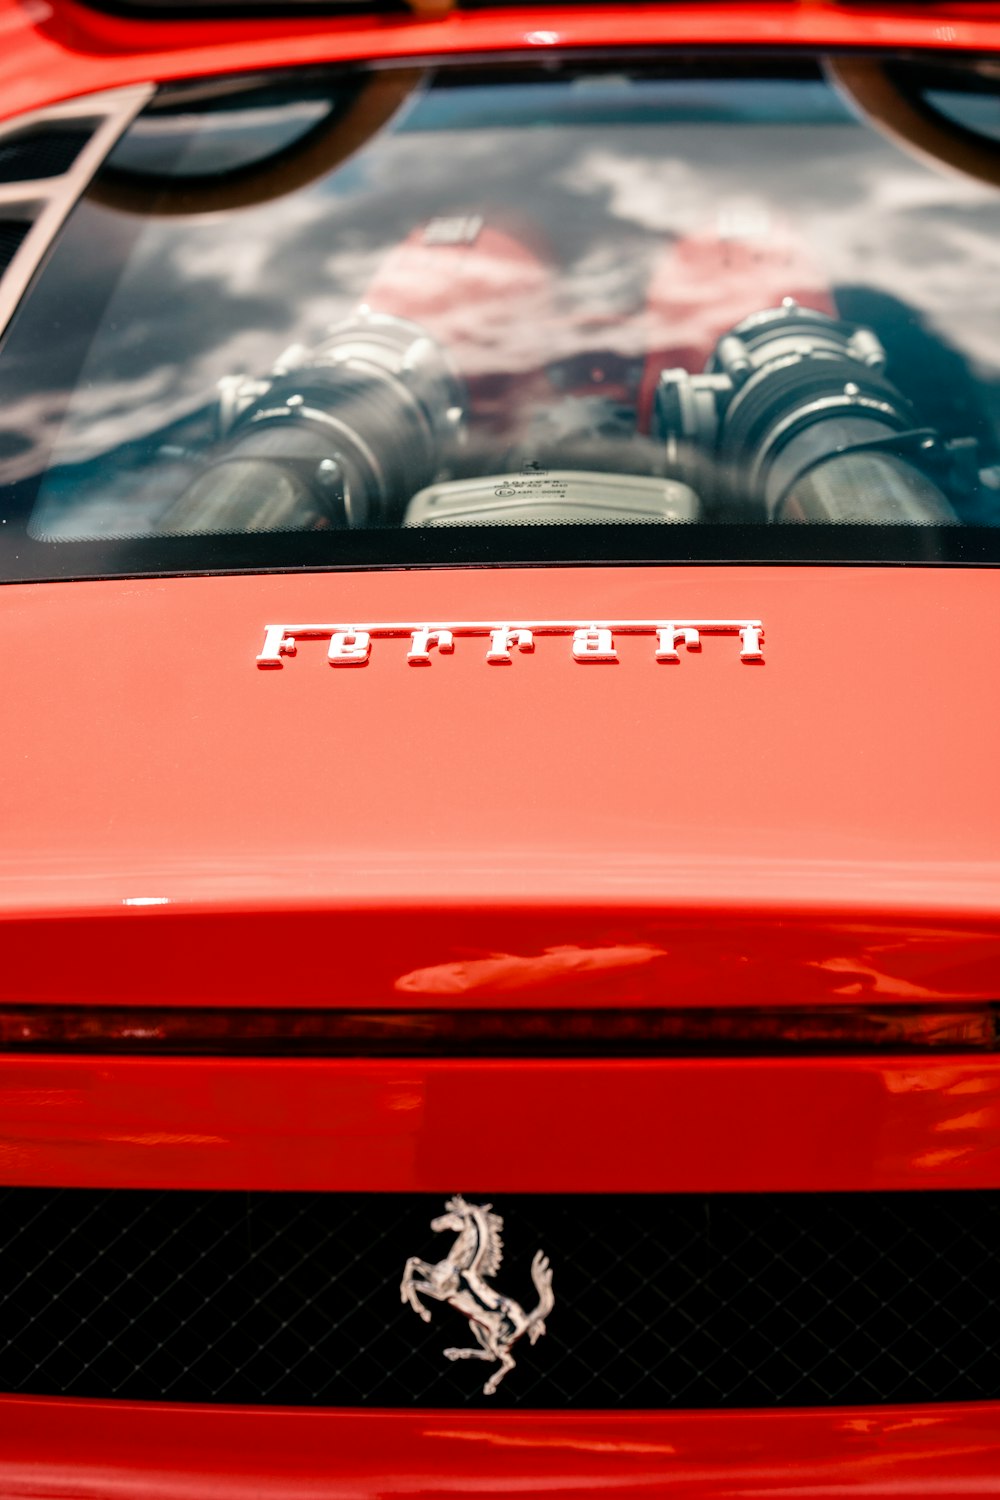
column 693, row 309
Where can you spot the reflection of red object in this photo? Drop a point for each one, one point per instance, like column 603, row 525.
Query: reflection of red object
column 487, row 299
column 503, row 972
column 705, row 284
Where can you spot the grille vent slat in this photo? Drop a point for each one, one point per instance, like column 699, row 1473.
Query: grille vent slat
column 46, row 161
column 688, row 1300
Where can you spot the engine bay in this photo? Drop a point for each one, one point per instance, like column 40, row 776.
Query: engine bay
column 701, row 292
column 793, row 416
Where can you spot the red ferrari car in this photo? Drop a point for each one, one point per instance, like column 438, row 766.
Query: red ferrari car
column 500, row 824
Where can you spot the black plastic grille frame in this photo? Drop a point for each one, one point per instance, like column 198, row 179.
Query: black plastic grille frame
column 12, row 233
column 42, row 151
column 757, row 1300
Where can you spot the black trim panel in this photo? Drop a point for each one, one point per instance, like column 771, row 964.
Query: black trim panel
column 688, row 1300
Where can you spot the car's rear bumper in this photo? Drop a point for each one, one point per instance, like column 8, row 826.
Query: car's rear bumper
column 694, row 1125
column 813, row 1124
column 662, row 1125
column 117, row 1451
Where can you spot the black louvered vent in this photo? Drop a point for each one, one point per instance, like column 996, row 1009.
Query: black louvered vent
column 690, row 1301
column 12, row 232
column 46, row 150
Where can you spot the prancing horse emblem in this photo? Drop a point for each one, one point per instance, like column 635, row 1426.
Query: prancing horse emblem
column 460, row 1280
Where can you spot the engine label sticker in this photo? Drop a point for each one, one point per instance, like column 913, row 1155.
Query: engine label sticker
column 350, row 645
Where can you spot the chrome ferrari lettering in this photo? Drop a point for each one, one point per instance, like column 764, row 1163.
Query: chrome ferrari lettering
column 671, row 636
column 276, row 645
column 591, row 641
column 594, row 643
column 502, row 639
column 423, row 638
column 349, row 648
column 461, row 1278
column 751, row 636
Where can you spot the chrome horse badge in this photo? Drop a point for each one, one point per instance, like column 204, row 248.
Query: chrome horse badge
column 460, row 1280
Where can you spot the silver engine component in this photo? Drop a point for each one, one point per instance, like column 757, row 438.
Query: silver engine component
column 795, row 413
column 544, row 496
column 337, row 435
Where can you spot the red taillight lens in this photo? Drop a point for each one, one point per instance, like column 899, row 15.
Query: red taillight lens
column 511, row 1032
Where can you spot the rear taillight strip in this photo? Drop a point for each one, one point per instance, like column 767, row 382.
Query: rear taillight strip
column 499, row 1032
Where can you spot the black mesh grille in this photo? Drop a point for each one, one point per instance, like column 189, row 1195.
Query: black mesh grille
column 762, row 1300
column 43, row 151
column 12, row 232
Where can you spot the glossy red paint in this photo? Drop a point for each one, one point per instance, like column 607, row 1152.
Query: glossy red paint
column 84, row 1450
column 691, row 1124
column 261, row 948
column 51, row 51
column 381, row 836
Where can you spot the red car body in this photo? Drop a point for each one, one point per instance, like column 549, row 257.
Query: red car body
column 794, row 834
